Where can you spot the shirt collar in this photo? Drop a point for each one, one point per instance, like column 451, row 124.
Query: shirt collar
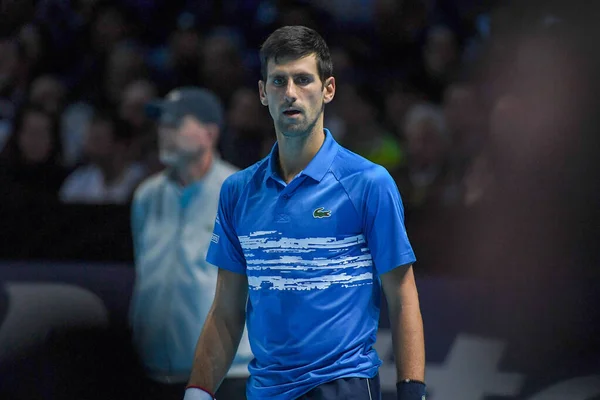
column 316, row 168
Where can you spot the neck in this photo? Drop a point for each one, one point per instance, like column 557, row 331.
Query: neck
column 194, row 170
column 296, row 152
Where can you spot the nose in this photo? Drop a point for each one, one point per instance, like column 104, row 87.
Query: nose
column 290, row 92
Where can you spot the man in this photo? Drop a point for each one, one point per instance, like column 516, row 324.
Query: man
column 109, row 177
column 305, row 240
column 172, row 217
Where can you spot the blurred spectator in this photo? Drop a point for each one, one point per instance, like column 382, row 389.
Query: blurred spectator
column 398, row 29
column 177, row 62
column 424, row 182
column 84, row 9
column 144, row 140
column 109, row 177
column 13, row 80
column 35, row 42
column 184, row 44
column 343, row 62
column 272, row 14
column 222, row 69
column 349, row 14
column 8, row 98
column 109, row 25
column 477, row 180
column 249, row 135
column 299, row 13
column 31, row 161
column 132, row 104
column 49, row 93
column 172, row 216
column 466, row 122
column 363, row 133
column 125, row 65
column 440, row 62
column 345, row 70
column 399, row 98
column 73, row 126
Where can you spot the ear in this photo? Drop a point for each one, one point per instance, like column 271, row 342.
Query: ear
column 329, row 89
column 262, row 93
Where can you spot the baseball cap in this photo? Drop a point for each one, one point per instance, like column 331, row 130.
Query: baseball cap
column 198, row 102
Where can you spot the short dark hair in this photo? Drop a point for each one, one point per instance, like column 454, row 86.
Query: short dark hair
column 296, row 42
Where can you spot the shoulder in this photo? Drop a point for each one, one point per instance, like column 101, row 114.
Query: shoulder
column 223, row 170
column 149, row 186
column 136, row 171
column 237, row 183
column 226, row 167
column 81, row 174
column 349, row 167
column 84, row 170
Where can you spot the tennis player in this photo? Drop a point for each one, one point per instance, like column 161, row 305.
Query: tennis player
column 306, row 240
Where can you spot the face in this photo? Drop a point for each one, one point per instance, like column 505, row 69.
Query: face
column 48, row 92
column 35, row 138
column 221, row 65
column 397, row 104
column 108, row 28
column 460, row 106
column 354, row 109
column 425, row 145
column 131, row 108
column 99, row 143
column 185, row 45
column 440, row 51
column 125, row 65
column 245, row 113
column 192, row 139
column 295, row 95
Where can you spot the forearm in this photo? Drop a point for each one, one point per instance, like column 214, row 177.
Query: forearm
column 216, row 349
column 409, row 343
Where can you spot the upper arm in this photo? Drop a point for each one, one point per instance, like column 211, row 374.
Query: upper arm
column 383, row 222
column 399, row 287
column 225, row 250
column 231, row 293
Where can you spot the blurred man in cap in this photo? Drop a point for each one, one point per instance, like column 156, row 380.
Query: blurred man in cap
column 172, row 223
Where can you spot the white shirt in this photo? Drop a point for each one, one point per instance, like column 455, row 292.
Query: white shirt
column 86, row 185
column 175, row 286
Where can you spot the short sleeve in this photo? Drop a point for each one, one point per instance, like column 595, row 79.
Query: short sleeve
column 225, row 250
column 383, row 222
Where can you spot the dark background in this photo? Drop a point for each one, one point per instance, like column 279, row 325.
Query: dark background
column 506, row 235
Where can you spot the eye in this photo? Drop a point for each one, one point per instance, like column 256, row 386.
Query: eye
column 303, row 80
column 278, row 81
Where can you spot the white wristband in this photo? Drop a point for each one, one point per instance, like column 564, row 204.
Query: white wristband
column 196, row 394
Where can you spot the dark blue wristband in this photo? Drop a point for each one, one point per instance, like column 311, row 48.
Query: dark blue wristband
column 409, row 389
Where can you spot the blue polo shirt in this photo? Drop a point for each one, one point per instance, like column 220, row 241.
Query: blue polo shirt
column 313, row 251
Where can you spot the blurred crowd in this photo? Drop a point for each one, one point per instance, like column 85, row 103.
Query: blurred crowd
column 461, row 101
column 75, row 76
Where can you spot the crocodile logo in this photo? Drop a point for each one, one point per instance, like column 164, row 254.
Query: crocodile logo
column 321, row 213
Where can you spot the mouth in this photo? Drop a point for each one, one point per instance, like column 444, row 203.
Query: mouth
column 291, row 112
